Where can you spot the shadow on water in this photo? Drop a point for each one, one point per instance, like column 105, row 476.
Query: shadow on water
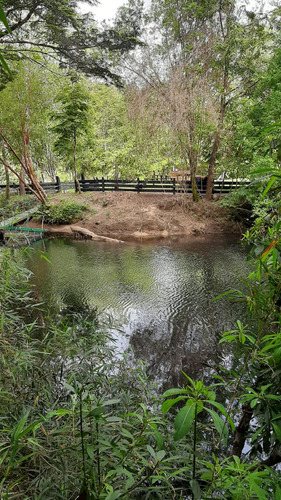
column 160, row 297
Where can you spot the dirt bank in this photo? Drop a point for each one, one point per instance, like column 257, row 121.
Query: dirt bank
column 133, row 216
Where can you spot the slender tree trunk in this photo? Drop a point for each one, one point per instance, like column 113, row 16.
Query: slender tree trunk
column 22, row 186
column 216, row 145
column 77, row 183
column 26, row 168
column 7, row 179
column 192, row 166
column 225, row 34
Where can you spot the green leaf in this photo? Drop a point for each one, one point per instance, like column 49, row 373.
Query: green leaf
column 222, row 409
column 195, row 488
column 111, row 402
column 151, row 451
column 277, row 493
column 173, row 392
column 58, row 413
column 90, row 451
column 261, row 493
column 20, row 425
column 219, row 423
column 159, row 440
column 270, row 183
column 184, row 420
column 277, row 430
column 3, row 19
column 170, row 402
column 227, row 338
column 160, row 455
column 254, row 402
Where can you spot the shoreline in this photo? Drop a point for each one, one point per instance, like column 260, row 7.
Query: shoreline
column 134, row 217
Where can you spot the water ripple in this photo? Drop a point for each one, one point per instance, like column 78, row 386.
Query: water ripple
column 161, row 296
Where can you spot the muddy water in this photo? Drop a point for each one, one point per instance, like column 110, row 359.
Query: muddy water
column 159, row 296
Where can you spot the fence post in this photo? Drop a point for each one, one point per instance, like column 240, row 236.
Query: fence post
column 174, row 185
column 102, row 184
column 58, row 184
column 138, row 185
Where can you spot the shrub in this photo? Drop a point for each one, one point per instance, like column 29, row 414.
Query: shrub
column 63, row 213
column 15, row 205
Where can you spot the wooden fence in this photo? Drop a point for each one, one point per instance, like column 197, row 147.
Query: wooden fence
column 162, row 185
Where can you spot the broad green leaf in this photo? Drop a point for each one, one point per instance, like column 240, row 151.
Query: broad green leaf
column 96, row 412
column 173, row 392
column 3, row 19
column 277, row 430
column 195, row 488
column 57, row 413
column 277, row 493
column 184, row 420
column 160, row 455
column 111, row 402
column 159, row 439
column 90, row 451
column 270, row 183
column 219, row 423
column 222, row 409
column 114, row 495
column 261, row 493
column 170, row 402
column 151, row 451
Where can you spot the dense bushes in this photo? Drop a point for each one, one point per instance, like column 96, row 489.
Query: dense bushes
column 64, row 212
column 15, row 205
column 247, row 203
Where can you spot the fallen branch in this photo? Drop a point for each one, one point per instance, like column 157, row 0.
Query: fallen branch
column 80, row 231
column 92, row 236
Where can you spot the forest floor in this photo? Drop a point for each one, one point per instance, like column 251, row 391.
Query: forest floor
column 132, row 216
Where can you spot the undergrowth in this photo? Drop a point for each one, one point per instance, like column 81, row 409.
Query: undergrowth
column 65, row 212
column 15, row 205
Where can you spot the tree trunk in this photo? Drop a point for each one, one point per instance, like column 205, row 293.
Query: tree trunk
column 223, row 102
column 216, row 145
column 22, row 186
column 77, row 183
column 192, row 166
column 7, row 179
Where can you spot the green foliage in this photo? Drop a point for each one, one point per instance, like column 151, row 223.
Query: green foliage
column 5, row 22
column 247, row 204
column 64, row 212
column 15, row 205
column 73, row 39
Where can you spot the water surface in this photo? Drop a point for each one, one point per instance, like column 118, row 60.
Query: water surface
column 160, row 297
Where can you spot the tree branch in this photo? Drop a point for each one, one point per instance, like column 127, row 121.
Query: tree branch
column 22, row 21
column 241, row 430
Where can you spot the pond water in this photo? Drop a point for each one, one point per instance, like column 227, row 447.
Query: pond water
column 159, row 296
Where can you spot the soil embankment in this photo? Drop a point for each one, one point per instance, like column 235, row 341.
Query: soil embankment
column 144, row 216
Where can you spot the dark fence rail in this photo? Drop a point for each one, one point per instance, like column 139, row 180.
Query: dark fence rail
column 162, row 185
column 49, row 187
column 165, row 185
